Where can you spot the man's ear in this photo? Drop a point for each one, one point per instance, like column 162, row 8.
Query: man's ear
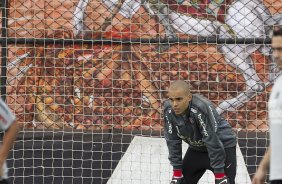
column 189, row 96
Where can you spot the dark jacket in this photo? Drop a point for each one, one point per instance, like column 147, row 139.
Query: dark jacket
column 202, row 128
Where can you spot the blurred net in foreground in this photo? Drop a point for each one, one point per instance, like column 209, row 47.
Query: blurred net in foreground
column 119, row 84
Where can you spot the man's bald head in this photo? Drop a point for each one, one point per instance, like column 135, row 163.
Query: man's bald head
column 180, row 96
column 180, row 85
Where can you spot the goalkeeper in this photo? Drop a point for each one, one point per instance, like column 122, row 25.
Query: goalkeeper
column 8, row 124
column 212, row 142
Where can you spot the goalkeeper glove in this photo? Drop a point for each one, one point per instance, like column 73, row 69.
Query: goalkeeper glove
column 221, row 179
column 177, row 177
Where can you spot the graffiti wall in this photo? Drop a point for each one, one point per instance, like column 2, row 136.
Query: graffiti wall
column 122, row 85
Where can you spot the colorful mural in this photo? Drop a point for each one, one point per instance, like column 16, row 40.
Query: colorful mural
column 104, row 86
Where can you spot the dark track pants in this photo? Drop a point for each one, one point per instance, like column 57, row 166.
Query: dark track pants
column 4, row 182
column 276, row 182
column 195, row 164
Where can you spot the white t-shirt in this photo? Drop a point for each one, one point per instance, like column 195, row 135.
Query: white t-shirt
column 6, row 119
column 275, row 122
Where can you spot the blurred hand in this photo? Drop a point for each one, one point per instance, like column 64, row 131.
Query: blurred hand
column 259, row 177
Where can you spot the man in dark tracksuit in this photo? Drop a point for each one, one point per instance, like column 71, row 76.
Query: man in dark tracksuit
column 212, row 142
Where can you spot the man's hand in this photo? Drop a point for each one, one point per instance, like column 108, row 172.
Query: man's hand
column 223, row 180
column 260, row 176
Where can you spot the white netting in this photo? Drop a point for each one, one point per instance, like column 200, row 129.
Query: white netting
column 101, row 88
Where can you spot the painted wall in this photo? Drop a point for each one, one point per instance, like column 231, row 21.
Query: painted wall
column 122, row 86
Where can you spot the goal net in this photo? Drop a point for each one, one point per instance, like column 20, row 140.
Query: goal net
column 87, row 78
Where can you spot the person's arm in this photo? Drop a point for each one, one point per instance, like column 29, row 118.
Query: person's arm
column 263, row 168
column 215, row 148
column 174, row 145
column 8, row 140
column 208, row 127
column 9, row 125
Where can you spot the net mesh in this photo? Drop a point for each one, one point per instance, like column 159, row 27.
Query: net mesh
column 106, row 65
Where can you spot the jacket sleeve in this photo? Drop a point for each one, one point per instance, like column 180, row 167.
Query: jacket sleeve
column 174, row 143
column 208, row 127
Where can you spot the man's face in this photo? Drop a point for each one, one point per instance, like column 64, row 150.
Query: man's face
column 277, row 50
column 179, row 100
